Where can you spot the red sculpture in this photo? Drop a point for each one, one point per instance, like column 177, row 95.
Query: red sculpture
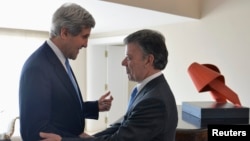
column 207, row 77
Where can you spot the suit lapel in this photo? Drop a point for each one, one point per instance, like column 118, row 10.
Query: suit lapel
column 61, row 72
column 145, row 89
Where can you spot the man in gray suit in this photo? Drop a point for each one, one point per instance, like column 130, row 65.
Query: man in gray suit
column 153, row 114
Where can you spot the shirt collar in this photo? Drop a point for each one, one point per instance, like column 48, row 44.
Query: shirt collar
column 57, row 51
column 145, row 81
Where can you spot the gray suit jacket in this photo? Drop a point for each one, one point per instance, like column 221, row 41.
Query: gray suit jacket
column 152, row 117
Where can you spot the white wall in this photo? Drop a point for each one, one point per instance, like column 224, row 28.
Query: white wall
column 221, row 37
column 16, row 46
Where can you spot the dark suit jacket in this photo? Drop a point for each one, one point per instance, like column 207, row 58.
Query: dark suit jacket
column 48, row 100
column 152, row 117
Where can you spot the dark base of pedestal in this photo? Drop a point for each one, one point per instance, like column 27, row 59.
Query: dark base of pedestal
column 191, row 135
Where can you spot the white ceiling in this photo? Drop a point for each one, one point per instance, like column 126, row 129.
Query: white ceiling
column 36, row 15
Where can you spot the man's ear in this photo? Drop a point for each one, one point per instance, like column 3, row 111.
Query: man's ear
column 149, row 59
column 64, row 32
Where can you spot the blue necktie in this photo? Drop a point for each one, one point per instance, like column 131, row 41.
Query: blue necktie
column 72, row 79
column 132, row 97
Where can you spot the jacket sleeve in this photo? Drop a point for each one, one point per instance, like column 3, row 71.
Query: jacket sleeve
column 142, row 124
column 91, row 110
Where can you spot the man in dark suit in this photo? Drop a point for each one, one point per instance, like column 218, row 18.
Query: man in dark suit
column 153, row 114
column 49, row 102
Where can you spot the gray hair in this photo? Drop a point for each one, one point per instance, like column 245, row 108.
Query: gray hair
column 151, row 42
column 73, row 17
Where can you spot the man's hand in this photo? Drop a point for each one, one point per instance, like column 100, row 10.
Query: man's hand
column 50, row 137
column 85, row 135
column 55, row 137
column 105, row 103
